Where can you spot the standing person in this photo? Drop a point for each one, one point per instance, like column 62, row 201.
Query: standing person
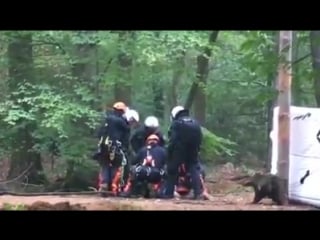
column 113, row 145
column 185, row 138
column 133, row 119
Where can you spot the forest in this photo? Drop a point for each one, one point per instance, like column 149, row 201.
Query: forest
column 56, row 86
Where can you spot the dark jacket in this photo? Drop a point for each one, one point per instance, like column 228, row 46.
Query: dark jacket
column 185, row 134
column 116, row 128
column 158, row 153
column 139, row 137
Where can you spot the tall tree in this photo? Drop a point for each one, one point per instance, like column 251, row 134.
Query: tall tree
column 284, row 101
column 197, row 90
column 122, row 90
column 24, row 155
column 315, row 53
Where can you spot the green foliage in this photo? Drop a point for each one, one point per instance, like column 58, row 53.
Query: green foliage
column 13, row 207
column 75, row 73
column 57, row 116
column 214, row 146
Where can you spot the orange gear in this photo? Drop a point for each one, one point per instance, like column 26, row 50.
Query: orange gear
column 120, row 106
column 152, row 138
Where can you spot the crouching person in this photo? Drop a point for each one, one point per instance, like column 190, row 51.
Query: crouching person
column 147, row 172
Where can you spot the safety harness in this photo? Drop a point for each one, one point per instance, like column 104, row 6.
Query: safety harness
column 114, row 147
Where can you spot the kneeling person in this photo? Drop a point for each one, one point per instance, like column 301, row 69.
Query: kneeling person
column 148, row 168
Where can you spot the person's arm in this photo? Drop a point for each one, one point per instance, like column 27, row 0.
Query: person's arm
column 201, row 136
column 164, row 157
column 173, row 137
column 102, row 130
column 125, row 128
column 135, row 141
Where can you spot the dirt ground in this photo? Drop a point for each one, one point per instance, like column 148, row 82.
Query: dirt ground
column 225, row 195
column 239, row 201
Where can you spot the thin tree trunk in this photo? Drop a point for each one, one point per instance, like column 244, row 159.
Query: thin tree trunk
column 315, row 53
column 197, row 90
column 122, row 90
column 21, row 70
column 271, row 82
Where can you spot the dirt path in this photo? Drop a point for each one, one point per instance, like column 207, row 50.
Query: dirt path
column 226, row 195
column 219, row 202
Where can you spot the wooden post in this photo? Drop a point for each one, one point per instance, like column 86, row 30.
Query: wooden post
column 284, row 102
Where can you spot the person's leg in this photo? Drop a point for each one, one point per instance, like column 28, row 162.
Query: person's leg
column 156, row 180
column 193, row 167
column 172, row 176
column 183, row 186
column 195, row 179
column 104, row 178
column 115, row 182
column 130, row 186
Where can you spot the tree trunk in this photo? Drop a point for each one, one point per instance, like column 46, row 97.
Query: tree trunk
column 284, row 101
column 271, row 82
column 315, row 53
column 296, row 86
column 20, row 59
column 84, row 72
column 158, row 98
column 197, row 90
column 176, row 79
column 122, row 90
column 84, row 68
column 158, row 90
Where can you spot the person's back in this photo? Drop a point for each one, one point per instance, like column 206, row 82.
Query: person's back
column 116, row 128
column 185, row 138
column 114, row 141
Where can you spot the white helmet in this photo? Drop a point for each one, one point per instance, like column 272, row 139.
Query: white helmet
column 132, row 115
column 151, row 122
column 175, row 111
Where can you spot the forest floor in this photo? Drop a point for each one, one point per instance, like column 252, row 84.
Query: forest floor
column 225, row 195
column 230, row 201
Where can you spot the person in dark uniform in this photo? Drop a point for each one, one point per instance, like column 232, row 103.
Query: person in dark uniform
column 133, row 119
column 185, row 138
column 148, row 168
column 112, row 148
column 151, row 126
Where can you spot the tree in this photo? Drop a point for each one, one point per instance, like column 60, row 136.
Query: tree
column 315, row 52
column 21, row 76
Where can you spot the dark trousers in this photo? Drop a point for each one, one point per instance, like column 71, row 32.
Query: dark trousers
column 148, row 174
column 189, row 158
column 141, row 177
column 112, row 177
column 107, row 174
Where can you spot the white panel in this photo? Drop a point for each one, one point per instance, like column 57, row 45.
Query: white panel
column 304, row 153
